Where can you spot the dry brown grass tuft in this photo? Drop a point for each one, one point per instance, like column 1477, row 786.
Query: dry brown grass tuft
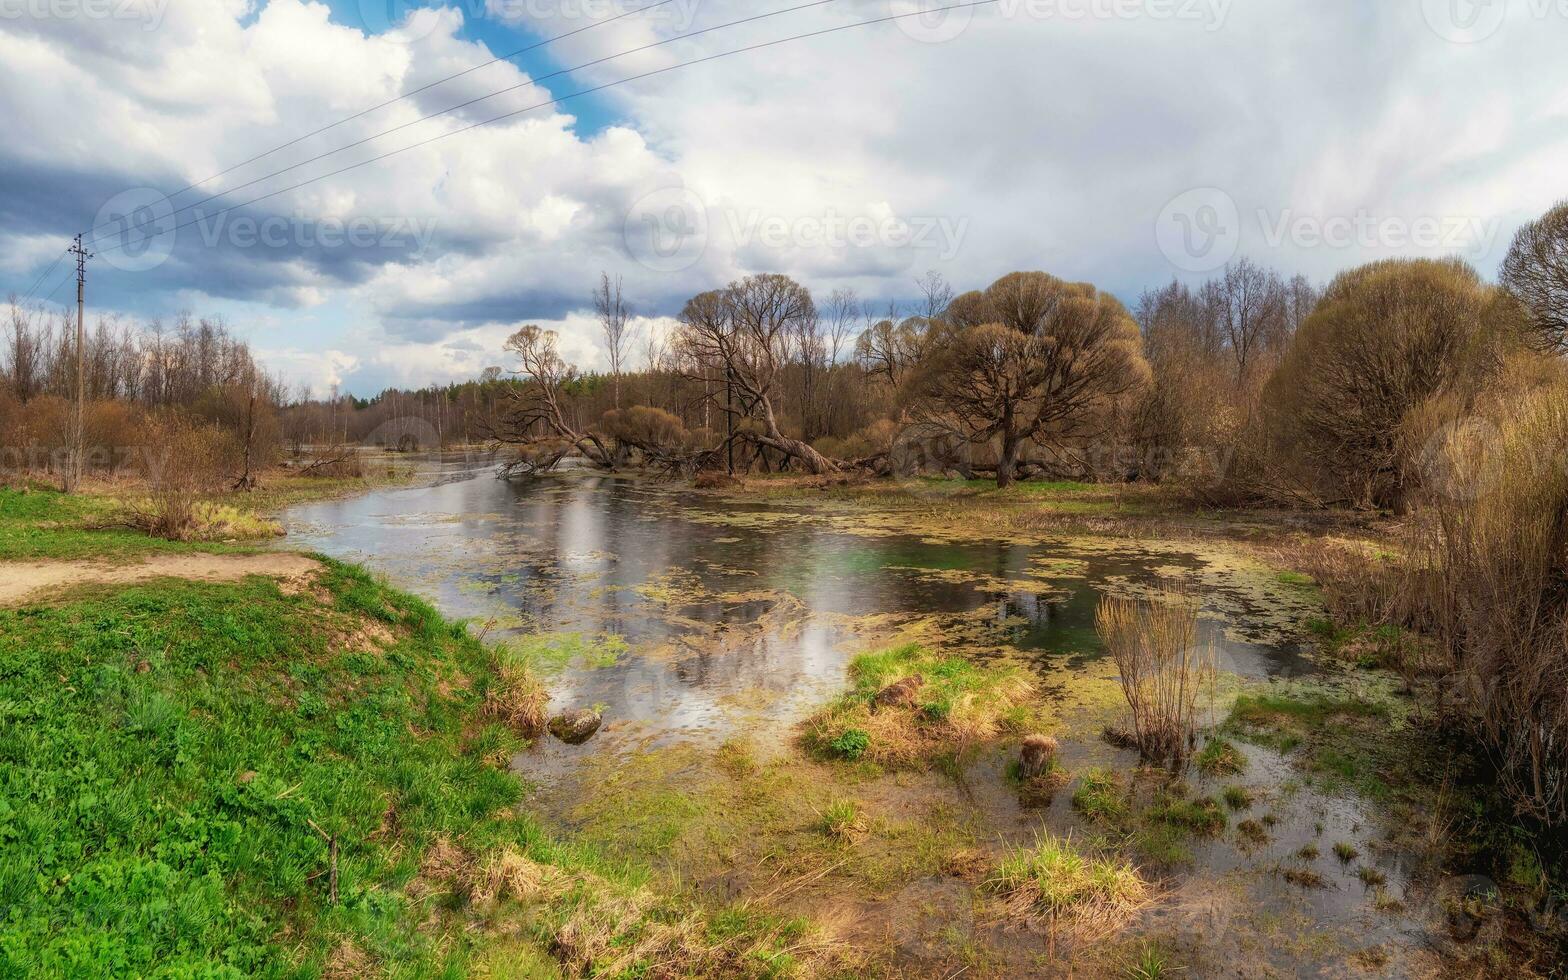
column 1163, row 666
column 517, row 699
column 1500, row 566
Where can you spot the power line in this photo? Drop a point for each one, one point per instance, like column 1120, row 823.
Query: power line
column 423, row 88
column 483, row 98
column 556, row 101
column 43, row 276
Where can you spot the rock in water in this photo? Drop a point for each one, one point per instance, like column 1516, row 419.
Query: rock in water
column 575, row 727
column 1035, row 758
column 900, row 694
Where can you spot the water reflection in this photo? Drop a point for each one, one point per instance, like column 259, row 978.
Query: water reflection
column 729, row 610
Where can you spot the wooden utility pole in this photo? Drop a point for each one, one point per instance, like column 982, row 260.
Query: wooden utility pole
column 79, row 424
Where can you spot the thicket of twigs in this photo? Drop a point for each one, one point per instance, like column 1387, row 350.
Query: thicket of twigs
column 1163, row 666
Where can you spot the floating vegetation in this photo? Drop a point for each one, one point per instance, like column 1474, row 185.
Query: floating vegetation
column 552, row 652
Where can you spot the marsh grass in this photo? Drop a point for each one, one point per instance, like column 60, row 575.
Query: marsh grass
column 957, row 706
column 1220, row 758
column 843, row 821
column 1102, row 795
column 1237, row 798
column 515, row 697
column 1164, row 668
column 1054, row 884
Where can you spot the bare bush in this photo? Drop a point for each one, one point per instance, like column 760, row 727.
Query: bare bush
column 1163, row 667
column 183, row 462
column 1032, row 359
column 1535, row 271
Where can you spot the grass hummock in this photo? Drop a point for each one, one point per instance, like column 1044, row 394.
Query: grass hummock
column 1053, row 882
column 949, row 705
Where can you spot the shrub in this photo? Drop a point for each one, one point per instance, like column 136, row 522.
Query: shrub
column 1162, row 665
column 183, row 461
column 1385, row 338
column 851, row 743
column 1499, row 564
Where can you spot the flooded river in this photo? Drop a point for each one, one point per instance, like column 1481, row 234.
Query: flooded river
column 688, row 617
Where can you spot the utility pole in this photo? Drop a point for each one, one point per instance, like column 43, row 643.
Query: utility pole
column 79, row 425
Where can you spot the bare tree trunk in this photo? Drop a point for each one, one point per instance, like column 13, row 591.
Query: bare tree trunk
column 1007, row 463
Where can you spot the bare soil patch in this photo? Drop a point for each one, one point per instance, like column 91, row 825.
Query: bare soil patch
column 42, row 580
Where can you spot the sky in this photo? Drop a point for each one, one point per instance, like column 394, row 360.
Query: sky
column 1119, row 142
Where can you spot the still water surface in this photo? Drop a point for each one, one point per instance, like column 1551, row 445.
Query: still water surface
column 717, row 599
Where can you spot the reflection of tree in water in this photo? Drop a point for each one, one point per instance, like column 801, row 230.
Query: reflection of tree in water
column 1053, row 620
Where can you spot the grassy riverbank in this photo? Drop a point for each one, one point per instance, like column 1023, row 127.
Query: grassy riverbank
column 256, row 780
column 38, row 523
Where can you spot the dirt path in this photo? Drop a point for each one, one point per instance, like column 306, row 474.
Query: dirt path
column 41, row 579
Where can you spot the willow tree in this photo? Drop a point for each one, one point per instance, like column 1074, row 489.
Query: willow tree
column 1031, row 358
column 1385, row 338
column 748, row 333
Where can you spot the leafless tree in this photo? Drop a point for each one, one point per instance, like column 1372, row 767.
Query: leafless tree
column 750, row 330
column 841, row 314
column 1536, row 273
column 1248, row 305
column 936, row 295
column 611, row 309
column 535, row 416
